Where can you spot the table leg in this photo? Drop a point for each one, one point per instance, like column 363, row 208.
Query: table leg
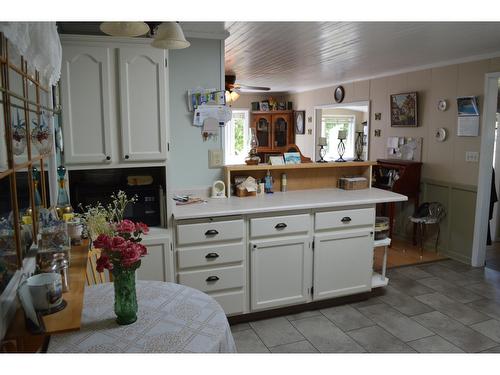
column 416, row 200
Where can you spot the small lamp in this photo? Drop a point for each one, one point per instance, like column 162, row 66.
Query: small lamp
column 341, row 147
column 322, row 152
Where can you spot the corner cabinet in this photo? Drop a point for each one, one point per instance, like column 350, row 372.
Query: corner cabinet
column 159, row 263
column 115, row 104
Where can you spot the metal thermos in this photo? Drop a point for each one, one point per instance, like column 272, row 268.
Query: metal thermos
column 283, row 182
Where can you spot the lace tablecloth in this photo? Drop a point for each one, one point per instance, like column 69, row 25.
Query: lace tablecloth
column 172, row 318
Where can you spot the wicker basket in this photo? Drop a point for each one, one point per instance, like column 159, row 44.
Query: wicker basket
column 353, row 183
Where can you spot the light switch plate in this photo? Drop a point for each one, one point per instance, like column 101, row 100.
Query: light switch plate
column 215, row 158
column 472, row 156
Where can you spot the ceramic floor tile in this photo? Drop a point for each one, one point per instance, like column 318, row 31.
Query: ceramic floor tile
column 395, row 323
column 458, row 293
column 434, row 344
column 376, row 340
column 325, row 336
column 402, row 302
column 240, row 327
column 247, row 341
column 484, row 274
column 367, row 302
column 445, row 273
column 489, row 328
column 486, row 290
column 456, row 265
column 496, row 349
column 276, row 331
column 295, row 347
column 408, row 286
column 302, row 315
column 347, row 317
column 412, row 272
column 488, row 307
column 463, row 313
column 458, row 334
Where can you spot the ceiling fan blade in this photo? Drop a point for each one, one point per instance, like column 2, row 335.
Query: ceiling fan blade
column 248, row 87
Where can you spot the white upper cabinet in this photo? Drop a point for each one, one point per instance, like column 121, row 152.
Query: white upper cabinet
column 86, row 104
column 115, row 102
column 142, row 103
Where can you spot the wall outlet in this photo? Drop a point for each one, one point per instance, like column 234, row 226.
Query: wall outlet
column 472, row 156
column 215, row 158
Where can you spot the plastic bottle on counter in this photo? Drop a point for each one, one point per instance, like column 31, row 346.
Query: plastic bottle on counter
column 283, row 182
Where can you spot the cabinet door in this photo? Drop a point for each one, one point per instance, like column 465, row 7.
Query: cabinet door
column 262, row 125
column 86, row 104
column 342, row 263
column 281, row 130
column 158, row 264
column 272, row 288
column 143, row 103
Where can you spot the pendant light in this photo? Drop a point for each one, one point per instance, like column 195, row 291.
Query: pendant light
column 169, row 35
column 124, row 28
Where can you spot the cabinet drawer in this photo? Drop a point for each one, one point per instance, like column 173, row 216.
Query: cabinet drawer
column 344, row 219
column 214, row 279
column 231, row 302
column 279, row 225
column 210, row 232
column 210, row 255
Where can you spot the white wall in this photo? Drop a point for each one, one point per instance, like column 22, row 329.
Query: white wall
column 198, row 65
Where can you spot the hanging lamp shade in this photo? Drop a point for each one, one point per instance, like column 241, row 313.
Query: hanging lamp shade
column 169, row 35
column 124, row 28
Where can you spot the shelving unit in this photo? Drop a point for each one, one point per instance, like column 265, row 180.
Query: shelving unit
column 301, row 176
column 380, row 280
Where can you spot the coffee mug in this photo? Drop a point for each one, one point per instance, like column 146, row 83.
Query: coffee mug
column 45, row 290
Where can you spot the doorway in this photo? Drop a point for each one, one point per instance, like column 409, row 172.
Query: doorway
column 484, row 188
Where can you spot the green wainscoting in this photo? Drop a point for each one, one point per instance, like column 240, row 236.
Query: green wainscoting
column 457, row 228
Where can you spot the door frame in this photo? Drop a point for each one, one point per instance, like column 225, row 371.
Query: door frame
column 317, row 123
column 485, row 162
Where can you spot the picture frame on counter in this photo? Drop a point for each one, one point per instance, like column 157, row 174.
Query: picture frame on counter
column 264, row 105
column 276, row 160
column 292, row 157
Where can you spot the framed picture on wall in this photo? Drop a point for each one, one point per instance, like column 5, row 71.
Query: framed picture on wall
column 299, row 122
column 404, row 109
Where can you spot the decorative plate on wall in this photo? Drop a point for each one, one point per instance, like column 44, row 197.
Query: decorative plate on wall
column 441, row 134
column 442, row 105
column 339, row 94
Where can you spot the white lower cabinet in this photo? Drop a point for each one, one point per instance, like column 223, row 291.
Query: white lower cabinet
column 210, row 256
column 280, row 272
column 342, row 263
column 159, row 263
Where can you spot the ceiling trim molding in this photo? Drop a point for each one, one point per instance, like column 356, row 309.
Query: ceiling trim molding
column 441, row 64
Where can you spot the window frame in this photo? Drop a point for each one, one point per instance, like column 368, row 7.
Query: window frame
column 229, row 157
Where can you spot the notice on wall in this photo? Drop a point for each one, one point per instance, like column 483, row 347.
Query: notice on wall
column 468, row 116
column 221, row 113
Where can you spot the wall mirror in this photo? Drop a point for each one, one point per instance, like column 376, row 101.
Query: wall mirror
column 352, row 120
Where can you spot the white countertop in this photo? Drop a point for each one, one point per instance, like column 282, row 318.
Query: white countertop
column 291, row 200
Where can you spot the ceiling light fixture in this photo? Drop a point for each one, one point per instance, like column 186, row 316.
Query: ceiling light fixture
column 231, row 96
column 169, row 35
column 124, row 28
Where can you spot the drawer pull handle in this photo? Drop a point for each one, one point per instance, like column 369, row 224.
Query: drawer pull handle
column 346, row 219
column 212, row 278
column 212, row 255
column 211, row 232
column 280, row 226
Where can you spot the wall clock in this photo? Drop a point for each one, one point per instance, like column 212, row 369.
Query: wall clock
column 339, row 94
column 442, row 105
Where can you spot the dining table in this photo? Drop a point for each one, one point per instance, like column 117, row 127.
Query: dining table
column 171, row 318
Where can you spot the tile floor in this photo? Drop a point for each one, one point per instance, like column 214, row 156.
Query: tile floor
column 442, row 307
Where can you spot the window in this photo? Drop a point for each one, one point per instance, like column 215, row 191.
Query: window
column 330, row 126
column 237, row 138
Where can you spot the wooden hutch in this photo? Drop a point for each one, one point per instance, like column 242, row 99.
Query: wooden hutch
column 274, row 131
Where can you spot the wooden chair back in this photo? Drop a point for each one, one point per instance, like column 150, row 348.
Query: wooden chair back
column 92, row 275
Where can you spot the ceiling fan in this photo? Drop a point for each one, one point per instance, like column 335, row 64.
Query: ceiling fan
column 232, row 85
